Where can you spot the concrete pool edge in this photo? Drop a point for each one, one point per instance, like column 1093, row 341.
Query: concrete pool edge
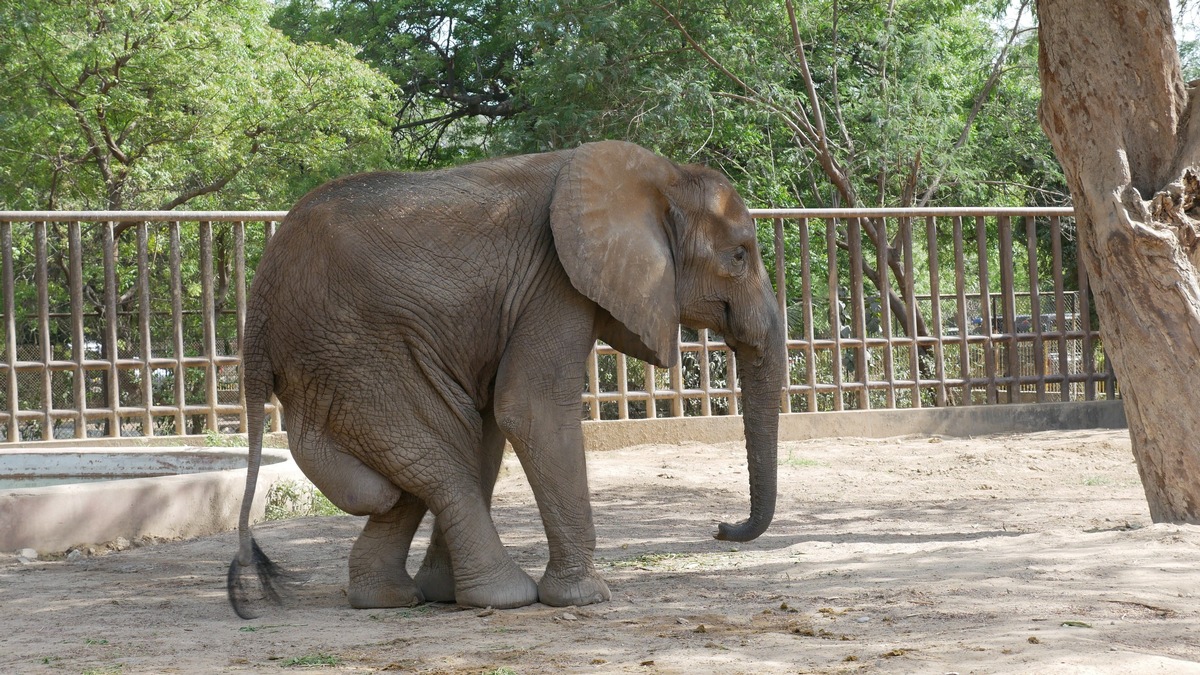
column 56, row 518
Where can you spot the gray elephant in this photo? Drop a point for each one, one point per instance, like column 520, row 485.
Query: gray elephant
column 410, row 323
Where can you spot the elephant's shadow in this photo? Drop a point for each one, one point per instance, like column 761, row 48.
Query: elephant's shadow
column 633, row 523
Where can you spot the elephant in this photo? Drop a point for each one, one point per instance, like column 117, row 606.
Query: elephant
column 411, row 323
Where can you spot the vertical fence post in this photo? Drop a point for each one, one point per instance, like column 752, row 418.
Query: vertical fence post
column 622, row 386
column 731, row 378
column 677, row 380
column 13, row 430
column 41, row 258
column 882, row 261
column 858, row 318
column 651, row 386
column 835, row 315
column 177, row 323
column 1064, row 392
column 78, row 345
column 910, row 301
column 208, row 320
column 781, row 299
column 239, row 289
column 935, row 309
column 985, row 309
column 1035, row 309
column 806, row 300
column 144, row 313
column 1008, row 295
column 112, row 381
column 964, row 327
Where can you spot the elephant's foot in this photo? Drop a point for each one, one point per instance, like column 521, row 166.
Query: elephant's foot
column 378, row 594
column 575, row 586
column 505, row 588
column 436, row 579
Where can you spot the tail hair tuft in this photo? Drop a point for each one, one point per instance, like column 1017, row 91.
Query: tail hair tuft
column 272, row 582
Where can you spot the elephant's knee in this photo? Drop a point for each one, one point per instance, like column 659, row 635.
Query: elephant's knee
column 512, row 417
column 375, row 500
column 354, row 487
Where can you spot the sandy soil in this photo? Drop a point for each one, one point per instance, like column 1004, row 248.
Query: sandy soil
column 1018, row 554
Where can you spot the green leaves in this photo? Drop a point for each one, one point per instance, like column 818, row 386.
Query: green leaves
column 166, row 103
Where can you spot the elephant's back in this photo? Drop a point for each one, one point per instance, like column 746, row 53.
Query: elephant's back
column 438, row 261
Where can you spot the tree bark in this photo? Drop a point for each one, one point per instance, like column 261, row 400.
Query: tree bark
column 1125, row 128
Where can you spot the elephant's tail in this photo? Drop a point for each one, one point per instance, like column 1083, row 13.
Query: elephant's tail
column 259, row 383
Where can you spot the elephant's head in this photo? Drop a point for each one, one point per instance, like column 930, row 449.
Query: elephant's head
column 656, row 244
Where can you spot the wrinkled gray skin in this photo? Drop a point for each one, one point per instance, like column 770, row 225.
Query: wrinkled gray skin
column 410, row 323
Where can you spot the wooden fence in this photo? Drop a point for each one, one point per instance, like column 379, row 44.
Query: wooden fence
column 980, row 306
column 127, row 324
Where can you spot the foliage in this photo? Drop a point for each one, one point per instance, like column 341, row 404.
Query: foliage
column 216, row 439
column 1187, row 32
column 298, row 499
column 454, row 62
column 155, row 104
column 721, row 82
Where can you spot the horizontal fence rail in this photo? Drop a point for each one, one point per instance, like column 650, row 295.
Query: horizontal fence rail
column 128, row 323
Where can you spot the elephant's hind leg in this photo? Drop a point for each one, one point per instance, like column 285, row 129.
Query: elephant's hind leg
column 430, row 445
column 436, row 576
column 378, row 560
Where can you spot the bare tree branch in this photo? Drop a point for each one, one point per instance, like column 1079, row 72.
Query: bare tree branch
column 200, row 190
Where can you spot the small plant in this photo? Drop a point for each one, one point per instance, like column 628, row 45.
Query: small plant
column 800, row 462
column 503, row 670
column 297, row 499
column 647, row 560
column 1096, row 481
column 216, row 439
column 309, row 660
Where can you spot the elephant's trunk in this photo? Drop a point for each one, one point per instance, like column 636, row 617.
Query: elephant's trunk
column 762, row 368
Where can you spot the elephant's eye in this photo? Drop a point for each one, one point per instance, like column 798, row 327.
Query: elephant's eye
column 739, row 258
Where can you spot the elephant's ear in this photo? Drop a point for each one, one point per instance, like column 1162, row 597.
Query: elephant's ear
column 610, row 221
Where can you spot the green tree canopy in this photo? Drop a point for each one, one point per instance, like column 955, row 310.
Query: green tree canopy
column 456, row 63
column 156, row 104
column 869, row 104
column 919, row 101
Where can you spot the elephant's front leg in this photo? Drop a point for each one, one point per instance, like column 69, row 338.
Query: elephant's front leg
column 538, row 409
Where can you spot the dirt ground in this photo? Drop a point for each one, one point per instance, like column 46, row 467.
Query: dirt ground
column 1005, row 554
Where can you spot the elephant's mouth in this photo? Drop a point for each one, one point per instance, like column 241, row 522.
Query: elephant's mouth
column 748, row 350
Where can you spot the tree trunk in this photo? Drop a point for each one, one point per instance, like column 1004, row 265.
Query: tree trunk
column 1124, row 126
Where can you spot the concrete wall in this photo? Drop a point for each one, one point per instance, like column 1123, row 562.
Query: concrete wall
column 58, row 517
column 963, row 421
column 959, row 421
